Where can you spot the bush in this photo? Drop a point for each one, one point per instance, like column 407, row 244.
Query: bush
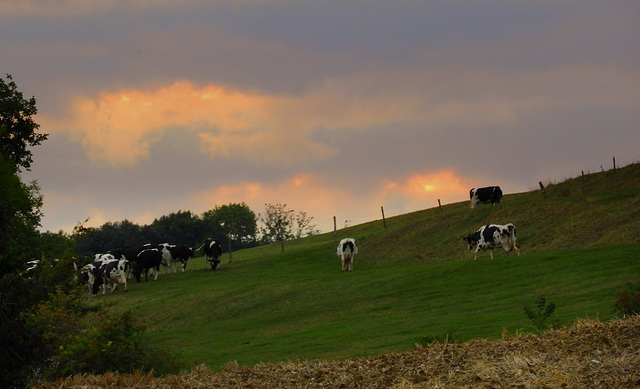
column 75, row 338
column 109, row 344
column 541, row 315
column 628, row 300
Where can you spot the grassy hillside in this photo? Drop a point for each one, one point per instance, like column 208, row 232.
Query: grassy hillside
column 413, row 281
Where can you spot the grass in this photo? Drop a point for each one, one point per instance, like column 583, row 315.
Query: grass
column 413, row 282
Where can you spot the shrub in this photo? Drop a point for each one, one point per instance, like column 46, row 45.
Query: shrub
column 75, row 342
column 109, row 344
column 541, row 314
column 628, row 300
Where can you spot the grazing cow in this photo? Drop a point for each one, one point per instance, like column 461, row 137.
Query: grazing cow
column 173, row 253
column 103, row 258
column 148, row 259
column 113, row 273
column 490, row 194
column 92, row 274
column 491, row 236
column 347, row 251
column 212, row 252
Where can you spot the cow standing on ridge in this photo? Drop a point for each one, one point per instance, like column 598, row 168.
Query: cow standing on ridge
column 489, row 194
column 347, row 251
column 491, row 236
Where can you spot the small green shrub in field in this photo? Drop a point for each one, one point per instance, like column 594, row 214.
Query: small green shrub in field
column 541, row 314
column 628, row 300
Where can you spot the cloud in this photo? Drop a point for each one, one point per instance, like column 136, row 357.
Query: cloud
column 321, row 197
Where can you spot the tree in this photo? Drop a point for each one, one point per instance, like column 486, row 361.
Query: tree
column 19, row 203
column 237, row 221
column 277, row 223
column 19, row 217
column 304, row 226
column 17, row 128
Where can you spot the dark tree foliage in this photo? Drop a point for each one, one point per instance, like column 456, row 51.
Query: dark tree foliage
column 182, row 227
column 17, row 128
column 237, row 222
column 19, row 203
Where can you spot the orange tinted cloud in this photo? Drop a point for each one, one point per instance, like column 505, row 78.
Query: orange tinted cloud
column 121, row 126
column 318, row 196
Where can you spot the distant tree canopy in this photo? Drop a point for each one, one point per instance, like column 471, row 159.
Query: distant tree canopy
column 233, row 222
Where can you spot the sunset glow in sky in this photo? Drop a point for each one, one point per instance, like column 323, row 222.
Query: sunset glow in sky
column 333, row 108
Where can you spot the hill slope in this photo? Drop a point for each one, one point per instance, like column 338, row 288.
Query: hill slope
column 597, row 209
column 413, row 281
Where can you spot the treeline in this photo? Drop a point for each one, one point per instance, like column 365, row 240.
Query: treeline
column 233, row 225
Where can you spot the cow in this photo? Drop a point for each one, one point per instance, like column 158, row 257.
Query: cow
column 347, row 251
column 491, row 236
column 147, row 259
column 212, row 252
column 113, row 273
column 92, row 275
column 172, row 253
column 489, row 194
column 103, row 258
column 131, row 253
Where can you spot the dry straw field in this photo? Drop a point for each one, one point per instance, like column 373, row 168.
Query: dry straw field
column 589, row 354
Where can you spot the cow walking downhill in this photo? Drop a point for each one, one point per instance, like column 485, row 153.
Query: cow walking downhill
column 347, row 251
column 489, row 194
column 493, row 235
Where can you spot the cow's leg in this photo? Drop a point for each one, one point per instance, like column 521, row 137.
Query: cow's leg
column 157, row 270
column 184, row 266
column 491, row 252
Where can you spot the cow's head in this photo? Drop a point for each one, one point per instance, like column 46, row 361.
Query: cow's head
column 471, row 240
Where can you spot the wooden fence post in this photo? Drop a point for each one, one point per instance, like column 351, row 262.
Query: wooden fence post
column 384, row 221
column 440, row 205
column 544, row 191
column 335, row 233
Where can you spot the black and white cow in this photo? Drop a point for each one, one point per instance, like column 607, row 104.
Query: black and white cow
column 212, row 252
column 491, row 236
column 92, row 275
column 114, row 273
column 489, row 194
column 148, row 259
column 347, row 251
column 172, row 253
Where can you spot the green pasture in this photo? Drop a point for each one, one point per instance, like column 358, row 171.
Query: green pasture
column 413, row 281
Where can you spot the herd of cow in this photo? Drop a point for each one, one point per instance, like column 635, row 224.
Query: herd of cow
column 114, row 268
column 486, row 238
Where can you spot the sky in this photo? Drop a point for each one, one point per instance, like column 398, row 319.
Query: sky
column 334, row 108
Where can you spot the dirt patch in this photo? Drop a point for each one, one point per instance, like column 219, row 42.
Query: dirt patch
column 590, row 354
